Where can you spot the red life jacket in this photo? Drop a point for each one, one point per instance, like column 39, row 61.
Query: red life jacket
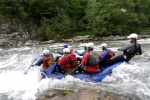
column 71, row 62
column 90, row 68
column 47, row 62
column 110, row 55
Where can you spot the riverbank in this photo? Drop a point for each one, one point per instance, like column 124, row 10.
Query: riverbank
column 102, row 38
column 16, row 35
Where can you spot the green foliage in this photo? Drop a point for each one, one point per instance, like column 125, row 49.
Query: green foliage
column 64, row 18
column 83, row 33
column 46, row 31
column 107, row 17
column 67, row 91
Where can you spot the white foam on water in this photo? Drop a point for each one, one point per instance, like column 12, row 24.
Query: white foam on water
column 68, row 82
column 126, row 77
column 19, row 84
column 19, row 49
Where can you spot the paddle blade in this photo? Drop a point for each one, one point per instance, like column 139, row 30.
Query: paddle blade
column 25, row 72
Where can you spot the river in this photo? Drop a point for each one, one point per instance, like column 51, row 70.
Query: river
column 132, row 80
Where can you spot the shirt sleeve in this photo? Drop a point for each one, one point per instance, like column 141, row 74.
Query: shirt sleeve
column 39, row 62
column 104, row 55
column 85, row 59
column 60, row 52
column 62, row 61
column 126, row 47
column 82, row 53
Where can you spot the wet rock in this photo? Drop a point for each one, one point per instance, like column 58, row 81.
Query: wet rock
column 78, row 38
column 30, row 42
column 4, row 42
column 47, row 42
column 86, row 94
column 10, row 34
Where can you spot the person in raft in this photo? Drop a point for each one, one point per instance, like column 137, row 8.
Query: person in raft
column 79, row 59
column 61, row 52
column 129, row 50
column 105, row 56
column 47, row 60
column 90, row 60
column 67, row 61
column 82, row 53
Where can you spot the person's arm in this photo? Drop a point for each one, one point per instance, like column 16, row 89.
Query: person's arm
column 62, row 61
column 85, row 59
column 82, row 53
column 51, row 55
column 100, row 56
column 60, row 52
column 39, row 62
column 140, row 50
column 126, row 47
column 104, row 55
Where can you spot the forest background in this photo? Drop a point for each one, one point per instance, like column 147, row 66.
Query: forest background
column 57, row 19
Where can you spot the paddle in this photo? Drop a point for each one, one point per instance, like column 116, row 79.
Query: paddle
column 37, row 58
column 29, row 66
column 71, row 71
column 27, row 69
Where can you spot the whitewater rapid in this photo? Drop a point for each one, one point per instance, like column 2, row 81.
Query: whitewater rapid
column 132, row 79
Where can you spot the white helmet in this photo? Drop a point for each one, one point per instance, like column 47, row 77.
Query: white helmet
column 46, row 52
column 66, row 50
column 91, row 45
column 133, row 35
column 103, row 45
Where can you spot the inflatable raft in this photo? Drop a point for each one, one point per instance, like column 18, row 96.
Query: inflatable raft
column 97, row 77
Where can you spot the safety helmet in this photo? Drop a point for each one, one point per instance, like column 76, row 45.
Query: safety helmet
column 133, row 35
column 103, row 45
column 46, row 52
column 65, row 45
column 90, row 45
column 66, row 50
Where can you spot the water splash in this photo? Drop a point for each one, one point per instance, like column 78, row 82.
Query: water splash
column 130, row 79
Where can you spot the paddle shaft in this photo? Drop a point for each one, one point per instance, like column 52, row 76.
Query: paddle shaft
column 71, row 71
column 27, row 70
column 29, row 67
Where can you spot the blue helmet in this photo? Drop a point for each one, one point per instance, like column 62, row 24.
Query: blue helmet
column 65, row 45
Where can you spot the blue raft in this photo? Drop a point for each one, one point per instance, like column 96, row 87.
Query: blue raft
column 97, row 77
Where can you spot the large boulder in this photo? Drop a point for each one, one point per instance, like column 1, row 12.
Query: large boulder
column 11, row 34
column 85, row 94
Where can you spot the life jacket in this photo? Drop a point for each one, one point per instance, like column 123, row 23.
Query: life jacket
column 72, row 51
column 71, row 62
column 92, row 69
column 94, row 58
column 47, row 62
column 130, row 54
column 110, row 54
